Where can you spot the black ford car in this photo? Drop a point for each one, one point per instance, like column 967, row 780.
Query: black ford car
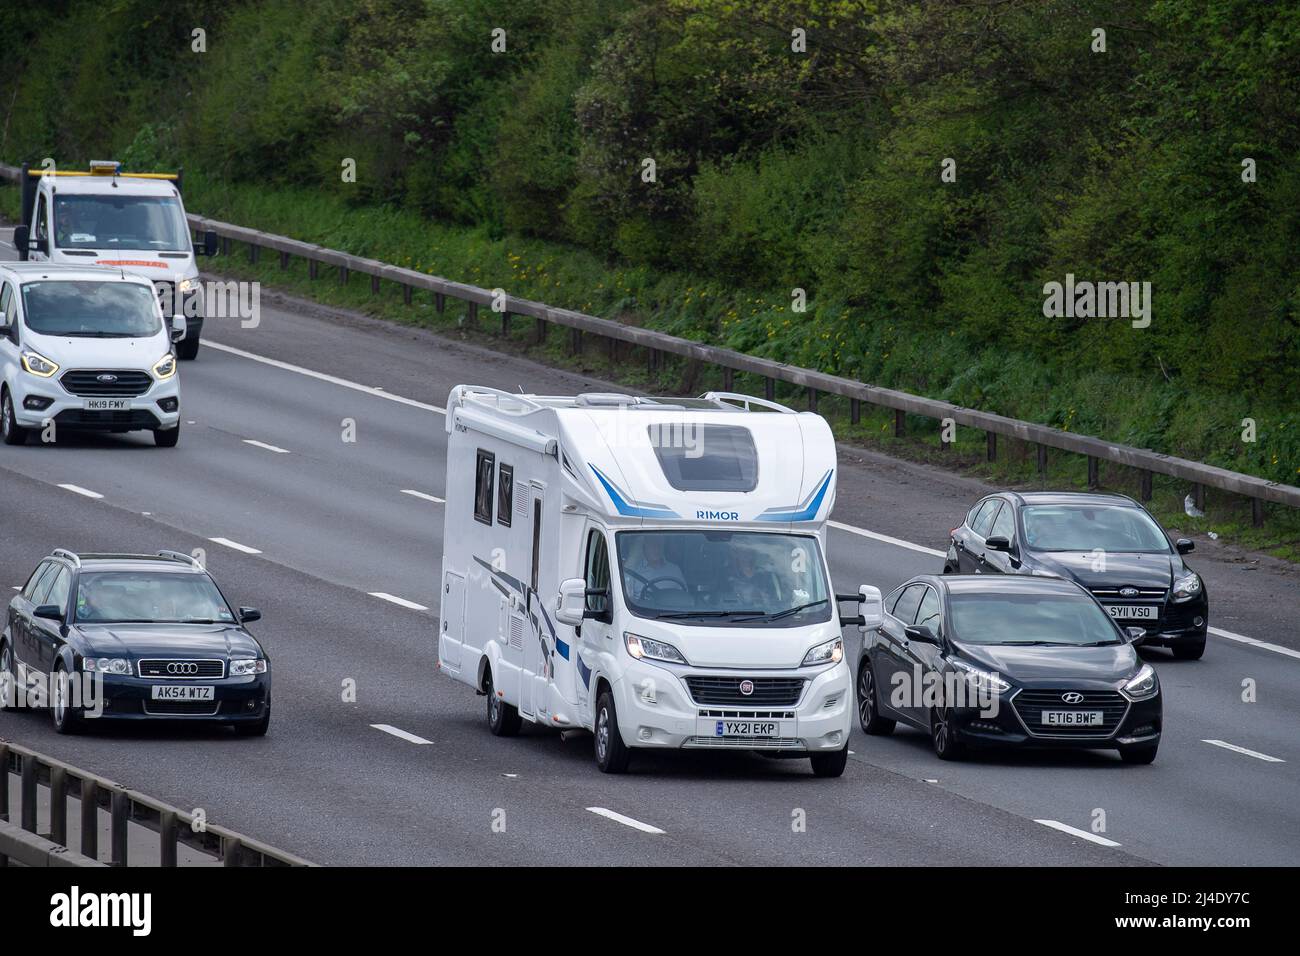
column 1107, row 543
column 133, row 637
column 1007, row 661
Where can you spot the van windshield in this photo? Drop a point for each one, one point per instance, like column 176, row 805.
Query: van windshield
column 750, row 578
column 91, row 309
column 120, row 222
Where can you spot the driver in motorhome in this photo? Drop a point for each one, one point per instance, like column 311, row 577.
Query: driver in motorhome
column 650, row 565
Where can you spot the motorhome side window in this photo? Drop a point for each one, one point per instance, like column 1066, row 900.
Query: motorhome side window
column 706, row 457
column 484, row 471
column 505, row 494
column 597, row 571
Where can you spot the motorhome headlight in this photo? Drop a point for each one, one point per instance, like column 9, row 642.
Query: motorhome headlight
column 38, row 364
column 108, row 665
column 1143, row 684
column 831, row 652
column 1187, row 587
column 981, row 679
column 165, row 367
column 246, row 667
column 644, row 648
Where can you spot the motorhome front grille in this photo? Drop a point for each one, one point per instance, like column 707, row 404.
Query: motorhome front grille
column 744, row 743
column 106, row 383
column 762, row 691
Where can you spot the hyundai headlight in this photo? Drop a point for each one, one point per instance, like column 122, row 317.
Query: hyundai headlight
column 38, row 364
column 247, row 667
column 831, row 652
column 645, row 648
column 1143, row 684
column 982, row 679
column 1187, row 587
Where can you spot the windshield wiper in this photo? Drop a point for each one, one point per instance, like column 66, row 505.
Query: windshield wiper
column 778, row 615
column 1036, row 644
column 97, row 335
column 679, row 615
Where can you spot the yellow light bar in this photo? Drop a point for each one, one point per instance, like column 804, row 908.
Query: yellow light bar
column 74, row 172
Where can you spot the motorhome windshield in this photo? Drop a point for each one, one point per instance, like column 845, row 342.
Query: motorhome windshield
column 727, row 578
column 120, row 222
column 91, row 309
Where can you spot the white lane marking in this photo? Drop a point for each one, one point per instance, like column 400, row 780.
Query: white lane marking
column 398, row 732
column 235, row 544
column 626, row 821
column 1081, row 834
column 1262, row 645
column 400, row 602
column 898, row 542
column 420, row 494
column 84, row 492
column 1242, row 750
column 322, row 377
column 263, row 445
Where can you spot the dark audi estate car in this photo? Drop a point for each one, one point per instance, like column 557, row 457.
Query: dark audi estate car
column 1007, row 661
column 1109, row 544
column 155, row 628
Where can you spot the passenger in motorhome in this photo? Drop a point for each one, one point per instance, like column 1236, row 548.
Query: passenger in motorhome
column 650, row 565
column 754, row 586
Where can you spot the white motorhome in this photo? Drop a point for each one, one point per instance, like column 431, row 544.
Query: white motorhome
column 130, row 221
column 650, row 570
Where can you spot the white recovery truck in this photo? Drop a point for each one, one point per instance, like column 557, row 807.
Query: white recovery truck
column 650, row 570
column 132, row 221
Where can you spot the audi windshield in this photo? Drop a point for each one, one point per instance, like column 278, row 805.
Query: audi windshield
column 149, row 597
column 724, row 577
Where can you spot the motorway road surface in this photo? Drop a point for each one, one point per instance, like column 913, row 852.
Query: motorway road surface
column 326, row 537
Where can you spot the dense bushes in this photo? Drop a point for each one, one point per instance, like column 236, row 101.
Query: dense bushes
column 776, row 169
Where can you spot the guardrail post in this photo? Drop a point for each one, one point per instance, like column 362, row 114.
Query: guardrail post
column 225, row 245
column 473, row 313
column 769, row 389
column 439, row 302
column 728, row 379
column 1257, row 512
column 1093, row 480
column 812, row 399
column 611, row 350
column 575, row 341
column 1145, row 485
column 406, row 294
column 539, row 330
column 284, row 260
column 1042, row 460
column 652, row 359
column 27, row 794
column 167, row 838
column 90, row 819
column 855, row 411
column 343, row 275
column 231, row 852
column 991, row 442
column 120, row 816
column 254, row 252
column 313, row 268
column 374, row 285
column 59, row 805
column 900, row 423
column 1198, row 495
column 505, row 325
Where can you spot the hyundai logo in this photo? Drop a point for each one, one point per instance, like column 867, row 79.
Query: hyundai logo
column 747, row 687
column 1073, row 697
column 179, row 668
column 106, row 379
column 1128, row 592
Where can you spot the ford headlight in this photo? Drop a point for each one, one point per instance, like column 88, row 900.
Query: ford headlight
column 248, row 667
column 188, row 285
column 38, row 364
column 981, row 679
column 644, row 648
column 109, row 665
column 1187, row 587
column 1143, row 684
column 831, row 652
column 165, row 367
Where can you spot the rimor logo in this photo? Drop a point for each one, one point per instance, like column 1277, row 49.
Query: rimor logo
column 75, row 909
column 718, row 515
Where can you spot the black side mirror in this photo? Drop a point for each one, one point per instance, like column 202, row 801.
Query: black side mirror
column 209, row 245
column 22, row 241
column 998, row 543
column 50, row 612
column 1183, row 545
column 1135, row 634
column 922, row 633
column 248, row 615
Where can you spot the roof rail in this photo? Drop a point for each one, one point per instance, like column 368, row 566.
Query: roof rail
column 182, row 557
column 65, row 553
column 748, row 400
column 524, row 403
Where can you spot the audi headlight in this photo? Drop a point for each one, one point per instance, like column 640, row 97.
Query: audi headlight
column 1187, row 587
column 1143, row 684
column 38, row 364
column 982, row 679
column 831, row 652
column 109, row 665
column 644, row 648
column 248, row 667
column 165, row 367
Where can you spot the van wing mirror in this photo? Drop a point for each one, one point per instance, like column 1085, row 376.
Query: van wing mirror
column 179, row 327
column 873, row 607
column 22, row 241
column 209, row 244
column 571, row 605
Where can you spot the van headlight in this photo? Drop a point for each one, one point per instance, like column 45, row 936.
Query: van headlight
column 644, row 648
column 188, row 285
column 38, row 364
column 165, row 367
column 247, row 667
column 1187, row 587
column 1143, row 684
column 830, row 652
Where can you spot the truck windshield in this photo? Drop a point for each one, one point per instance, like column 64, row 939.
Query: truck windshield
column 155, row 223
column 91, row 309
column 749, row 578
